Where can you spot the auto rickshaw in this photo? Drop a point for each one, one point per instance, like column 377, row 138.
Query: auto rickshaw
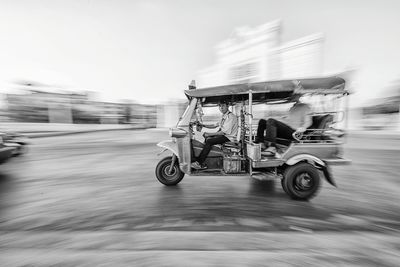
column 300, row 163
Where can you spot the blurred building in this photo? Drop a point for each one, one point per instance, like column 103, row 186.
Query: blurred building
column 143, row 115
column 383, row 114
column 257, row 54
column 169, row 113
column 44, row 106
column 41, row 106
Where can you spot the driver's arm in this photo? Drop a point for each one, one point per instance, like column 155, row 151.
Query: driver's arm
column 307, row 121
column 210, row 126
column 219, row 132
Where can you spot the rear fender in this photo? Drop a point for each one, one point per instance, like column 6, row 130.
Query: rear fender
column 316, row 162
column 328, row 176
column 313, row 160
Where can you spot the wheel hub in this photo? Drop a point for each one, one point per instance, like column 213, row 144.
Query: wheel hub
column 169, row 172
column 303, row 182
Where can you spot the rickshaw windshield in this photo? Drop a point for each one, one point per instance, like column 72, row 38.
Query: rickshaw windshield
column 187, row 114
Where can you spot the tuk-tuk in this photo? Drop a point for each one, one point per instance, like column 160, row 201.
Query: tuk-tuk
column 301, row 161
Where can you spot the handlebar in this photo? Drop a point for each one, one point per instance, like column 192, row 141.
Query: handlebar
column 198, row 125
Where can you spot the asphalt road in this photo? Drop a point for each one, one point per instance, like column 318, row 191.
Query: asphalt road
column 93, row 200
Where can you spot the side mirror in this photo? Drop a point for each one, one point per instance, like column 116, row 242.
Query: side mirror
column 192, row 85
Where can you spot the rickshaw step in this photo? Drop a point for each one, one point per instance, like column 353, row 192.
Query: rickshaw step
column 267, row 163
column 338, row 161
column 218, row 172
column 265, row 176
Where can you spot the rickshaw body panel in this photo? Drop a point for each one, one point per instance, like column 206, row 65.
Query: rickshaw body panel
column 184, row 147
column 319, row 151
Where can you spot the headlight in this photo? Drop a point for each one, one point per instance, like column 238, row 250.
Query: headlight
column 177, row 132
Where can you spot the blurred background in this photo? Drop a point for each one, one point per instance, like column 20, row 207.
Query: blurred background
column 93, row 85
column 129, row 62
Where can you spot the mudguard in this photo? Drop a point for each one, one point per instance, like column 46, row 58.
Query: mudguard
column 328, row 176
column 305, row 157
column 318, row 163
column 169, row 145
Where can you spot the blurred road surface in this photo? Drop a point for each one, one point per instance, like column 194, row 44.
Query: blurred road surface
column 93, row 200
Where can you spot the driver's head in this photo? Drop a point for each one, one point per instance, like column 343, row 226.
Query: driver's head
column 223, row 106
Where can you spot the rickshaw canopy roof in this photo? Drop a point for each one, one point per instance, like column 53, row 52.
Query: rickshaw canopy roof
column 270, row 90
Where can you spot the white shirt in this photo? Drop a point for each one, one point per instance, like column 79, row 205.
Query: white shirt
column 229, row 125
column 299, row 116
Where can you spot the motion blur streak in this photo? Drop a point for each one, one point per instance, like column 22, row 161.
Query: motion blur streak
column 92, row 199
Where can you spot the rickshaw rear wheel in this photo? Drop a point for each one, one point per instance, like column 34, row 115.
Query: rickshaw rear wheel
column 284, row 185
column 301, row 181
column 23, row 149
column 168, row 176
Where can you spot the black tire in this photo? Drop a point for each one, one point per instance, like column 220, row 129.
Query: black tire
column 284, row 185
column 162, row 172
column 302, row 181
column 22, row 150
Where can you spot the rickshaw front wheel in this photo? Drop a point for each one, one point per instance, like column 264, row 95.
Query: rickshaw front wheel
column 167, row 175
column 301, row 181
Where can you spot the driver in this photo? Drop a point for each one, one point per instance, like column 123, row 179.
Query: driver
column 298, row 120
column 228, row 129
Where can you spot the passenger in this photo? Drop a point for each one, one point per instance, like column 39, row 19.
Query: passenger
column 228, row 128
column 299, row 120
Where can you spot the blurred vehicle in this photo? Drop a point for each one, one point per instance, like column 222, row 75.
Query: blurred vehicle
column 300, row 161
column 6, row 152
column 17, row 141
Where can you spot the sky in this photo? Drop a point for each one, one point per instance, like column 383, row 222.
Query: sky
column 150, row 50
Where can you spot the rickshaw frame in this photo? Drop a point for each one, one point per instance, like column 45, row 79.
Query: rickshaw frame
column 302, row 152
